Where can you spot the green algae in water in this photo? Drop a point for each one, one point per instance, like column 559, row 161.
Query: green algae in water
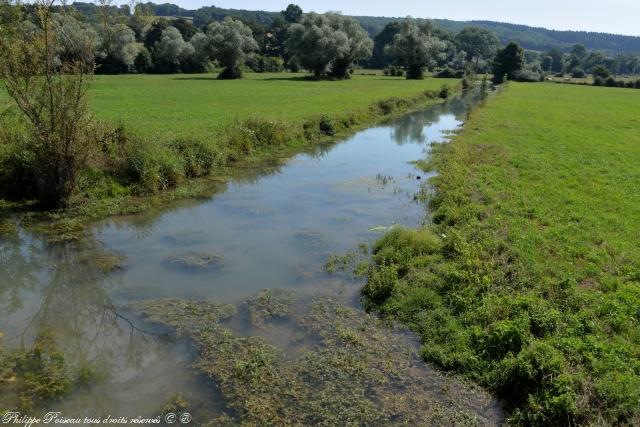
column 353, row 370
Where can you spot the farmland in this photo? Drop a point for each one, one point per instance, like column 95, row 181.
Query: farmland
column 527, row 280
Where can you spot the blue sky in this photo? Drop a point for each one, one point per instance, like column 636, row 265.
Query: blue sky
column 611, row 16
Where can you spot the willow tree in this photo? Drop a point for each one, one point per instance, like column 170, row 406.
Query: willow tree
column 415, row 47
column 328, row 44
column 229, row 42
column 359, row 45
column 50, row 91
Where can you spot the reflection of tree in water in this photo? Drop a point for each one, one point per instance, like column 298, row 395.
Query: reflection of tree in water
column 410, row 128
column 71, row 319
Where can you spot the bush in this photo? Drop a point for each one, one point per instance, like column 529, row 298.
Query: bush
column 578, row 73
column 444, row 92
column 600, row 71
column 526, row 76
column 448, row 73
column 394, row 71
column 265, row 64
column 327, row 127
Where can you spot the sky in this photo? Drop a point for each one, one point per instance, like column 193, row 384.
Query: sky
column 610, row 16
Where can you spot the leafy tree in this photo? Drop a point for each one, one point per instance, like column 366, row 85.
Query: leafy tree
column 118, row 49
column 358, row 44
column 601, row 71
column 579, row 51
column 275, row 40
column 331, row 42
column 76, row 41
column 152, row 33
column 171, row 51
column 573, row 63
column 50, row 91
column 381, row 42
column 229, row 42
column 508, row 62
column 415, row 47
column 594, row 59
column 292, row 14
column 479, row 44
column 185, row 27
column 547, row 63
column 558, row 60
column 143, row 62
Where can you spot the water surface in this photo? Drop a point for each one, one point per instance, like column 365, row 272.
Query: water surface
column 274, row 229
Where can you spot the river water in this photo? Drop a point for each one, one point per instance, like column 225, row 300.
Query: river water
column 272, row 228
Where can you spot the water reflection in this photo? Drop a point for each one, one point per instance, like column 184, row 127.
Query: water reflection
column 273, row 225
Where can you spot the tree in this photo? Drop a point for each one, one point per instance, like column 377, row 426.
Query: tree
column 292, row 14
column 579, row 51
column 508, row 62
column 601, row 71
column 558, row 60
column 118, row 49
column 50, row 91
column 358, row 44
column 327, row 43
column 229, row 42
column 415, row 47
column 381, row 42
column 171, row 51
column 479, row 44
column 185, row 27
column 547, row 63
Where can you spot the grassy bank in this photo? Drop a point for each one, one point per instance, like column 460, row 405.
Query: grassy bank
column 163, row 131
column 529, row 279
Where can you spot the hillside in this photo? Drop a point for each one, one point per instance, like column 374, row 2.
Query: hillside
column 529, row 37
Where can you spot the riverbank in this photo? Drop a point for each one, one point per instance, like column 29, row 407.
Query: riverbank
column 527, row 281
column 140, row 169
column 287, row 354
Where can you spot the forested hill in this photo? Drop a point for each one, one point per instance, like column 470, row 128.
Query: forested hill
column 528, row 37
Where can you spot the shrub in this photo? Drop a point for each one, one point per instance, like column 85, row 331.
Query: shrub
column 327, row 127
column 600, row 71
column 578, row 73
column 61, row 131
column 526, row 76
column 448, row 73
column 444, row 92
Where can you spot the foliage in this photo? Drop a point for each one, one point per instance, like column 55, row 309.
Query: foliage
column 171, row 52
column 229, row 42
column 50, row 92
column 415, row 47
column 479, row 44
column 292, row 14
column 328, row 43
column 527, row 281
column 508, row 62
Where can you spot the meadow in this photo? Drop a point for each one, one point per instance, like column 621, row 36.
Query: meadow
column 528, row 279
column 161, row 130
column 198, row 105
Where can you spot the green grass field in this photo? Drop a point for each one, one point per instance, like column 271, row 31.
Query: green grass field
column 529, row 280
column 176, row 127
column 197, row 105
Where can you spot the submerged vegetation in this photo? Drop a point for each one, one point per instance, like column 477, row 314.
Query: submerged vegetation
column 342, row 366
column 528, row 280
